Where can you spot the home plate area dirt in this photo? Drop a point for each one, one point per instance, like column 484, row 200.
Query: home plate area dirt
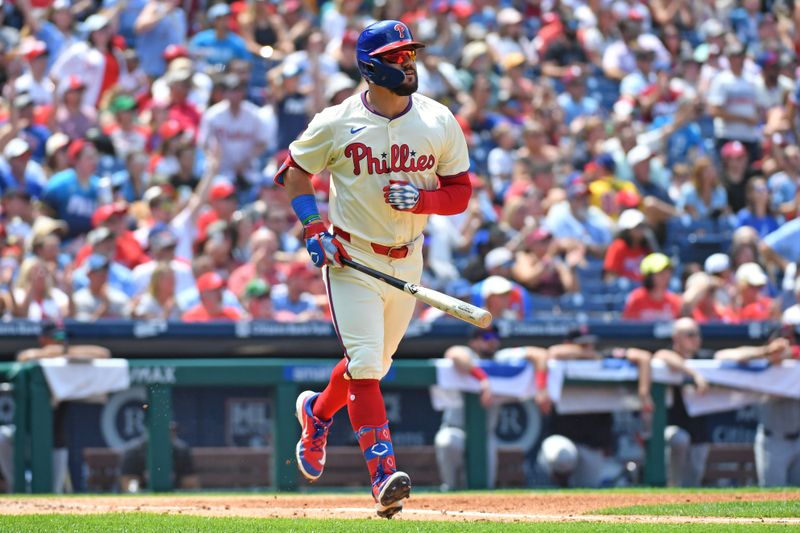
column 501, row 507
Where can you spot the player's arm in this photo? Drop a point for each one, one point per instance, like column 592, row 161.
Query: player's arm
column 462, row 362
column 642, row 360
column 572, row 351
column 777, row 350
column 677, row 363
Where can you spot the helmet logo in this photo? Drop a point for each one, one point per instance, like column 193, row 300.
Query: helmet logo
column 400, row 29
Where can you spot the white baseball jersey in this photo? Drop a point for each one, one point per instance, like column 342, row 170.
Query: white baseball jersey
column 237, row 134
column 364, row 150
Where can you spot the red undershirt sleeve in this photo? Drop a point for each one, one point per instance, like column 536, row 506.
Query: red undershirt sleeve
column 451, row 198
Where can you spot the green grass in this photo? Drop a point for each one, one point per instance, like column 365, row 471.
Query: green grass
column 155, row 523
column 740, row 509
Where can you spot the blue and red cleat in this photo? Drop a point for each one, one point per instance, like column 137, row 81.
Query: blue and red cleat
column 310, row 450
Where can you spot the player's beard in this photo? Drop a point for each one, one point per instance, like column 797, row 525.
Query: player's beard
column 408, row 87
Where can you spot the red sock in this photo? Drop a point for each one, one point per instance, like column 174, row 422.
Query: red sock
column 365, row 403
column 334, row 397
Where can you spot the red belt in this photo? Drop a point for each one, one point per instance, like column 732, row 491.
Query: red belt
column 395, row 252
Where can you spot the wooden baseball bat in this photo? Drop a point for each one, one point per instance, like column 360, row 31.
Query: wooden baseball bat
column 452, row 306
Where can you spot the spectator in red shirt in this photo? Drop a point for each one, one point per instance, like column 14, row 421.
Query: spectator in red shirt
column 700, row 299
column 653, row 301
column 210, row 308
column 222, row 199
column 626, row 252
column 749, row 303
column 128, row 250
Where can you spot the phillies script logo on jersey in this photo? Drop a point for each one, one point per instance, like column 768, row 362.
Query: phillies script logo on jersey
column 400, row 158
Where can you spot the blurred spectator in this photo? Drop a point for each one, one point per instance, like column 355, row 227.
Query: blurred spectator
column 190, row 298
column 618, row 58
column 750, row 303
column 128, row 136
column 542, row 267
column 99, row 300
column 718, row 266
column 35, row 81
column 23, row 124
column 643, row 74
column 686, row 437
column 56, row 29
column 633, row 243
column 236, row 125
column 217, row 45
column 218, row 244
column 735, row 173
column 579, row 224
column 565, row 54
column 133, row 467
column 102, row 241
column 73, row 116
column 656, row 202
column 34, row 296
column 576, row 452
column 56, row 158
column 263, row 246
column 162, row 245
column 704, row 197
column 758, row 211
column 158, row 302
column 127, row 250
column 501, row 158
column 736, row 104
column 71, row 195
column 509, row 37
column 211, row 307
column 295, row 300
column 19, row 172
column 700, row 299
column 96, row 61
column 161, row 23
column 257, row 300
column 653, row 300
column 263, row 30
column 504, row 300
column 222, row 202
column 291, row 104
column 574, row 101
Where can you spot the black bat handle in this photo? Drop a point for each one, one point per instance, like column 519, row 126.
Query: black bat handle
column 391, row 280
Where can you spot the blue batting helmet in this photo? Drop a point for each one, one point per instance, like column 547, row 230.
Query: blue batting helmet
column 379, row 38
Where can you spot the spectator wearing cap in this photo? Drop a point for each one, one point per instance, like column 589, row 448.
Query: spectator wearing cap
column 102, row 241
column 189, row 298
column 71, row 195
column 618, row 59
column 757, row 213
column 261, row 264
column 542, row 267
column 536, row 146
column 128, row 251
column 56, row 153
column 34, row 297
column 72, row 115
column 99, row 300
column 222, row 202
column 687, row 438
column 257, row 300
column 735, row 172
column 510, row 36
column 19, row 214
column 633, row 243
column 502, row 297
column 161, row 247
column 703, row 197
column 777, row 87
column 35, row 81
column 589, row 436
column 574, row 102
column 718, row 266
column 18, row 172
column 211, row 307
column 181, row 108
column 158, row 302
column 736, row 104
column 700, row 299
column 96, row 61
column 162, row 23
column 643, row 75
column 340, row 86
column 237, row 127
column 783, row 182
column 750, row 303
column 296, row 300
column 56, row 29
column 653, row 301
column 23, row 124
column 217, row 45
column 580, row 225
column 608, row 192
column 127, row 135
column 500, row 162
column 657, row 205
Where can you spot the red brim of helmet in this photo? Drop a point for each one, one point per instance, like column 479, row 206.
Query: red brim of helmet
column 396, row 45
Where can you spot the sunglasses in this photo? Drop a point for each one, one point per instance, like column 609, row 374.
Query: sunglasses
column 400, row 56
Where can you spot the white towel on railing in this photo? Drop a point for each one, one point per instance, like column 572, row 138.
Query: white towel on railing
column 71, row 380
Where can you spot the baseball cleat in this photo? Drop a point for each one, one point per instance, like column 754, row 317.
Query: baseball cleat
column 310, row 450
column 390, row 492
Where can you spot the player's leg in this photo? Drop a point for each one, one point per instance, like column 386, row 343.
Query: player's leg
column 450, row 444
column 794, row 466
column 677, row 442
column 698, row 455
column 772, row 459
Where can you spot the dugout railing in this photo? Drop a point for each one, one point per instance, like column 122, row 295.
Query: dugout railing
column 34, row 413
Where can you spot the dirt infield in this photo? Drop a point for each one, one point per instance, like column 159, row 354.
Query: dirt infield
column 514, row 507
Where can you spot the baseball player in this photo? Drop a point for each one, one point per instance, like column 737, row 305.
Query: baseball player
column 395, row 157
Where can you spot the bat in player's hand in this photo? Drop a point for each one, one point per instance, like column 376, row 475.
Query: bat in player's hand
column 452, row 306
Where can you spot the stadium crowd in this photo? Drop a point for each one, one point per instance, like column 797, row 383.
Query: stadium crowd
column 629, row 159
